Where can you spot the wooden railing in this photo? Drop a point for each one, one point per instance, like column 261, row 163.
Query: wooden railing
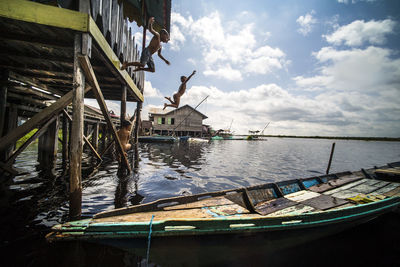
column 109, row 17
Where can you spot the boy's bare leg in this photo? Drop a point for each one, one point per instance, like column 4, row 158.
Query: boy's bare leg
column 144, row 69
column 170, row 105
column 169, row 99
column 126, row 64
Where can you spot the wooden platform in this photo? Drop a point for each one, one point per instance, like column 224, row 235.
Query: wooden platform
column 37, row 44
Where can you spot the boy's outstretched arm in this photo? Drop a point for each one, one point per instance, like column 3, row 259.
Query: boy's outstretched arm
column 150, row 26
column 161, row 56
column 190, row 76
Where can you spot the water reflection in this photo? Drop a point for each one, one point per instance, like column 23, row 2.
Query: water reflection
column 33, row 201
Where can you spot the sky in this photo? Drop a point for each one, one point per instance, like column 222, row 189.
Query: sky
column 315, row 67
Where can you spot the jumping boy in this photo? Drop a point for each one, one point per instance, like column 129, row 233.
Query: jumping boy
column 181, row 91
column 154, row 46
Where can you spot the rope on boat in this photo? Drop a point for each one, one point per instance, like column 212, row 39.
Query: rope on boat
column 148, row 242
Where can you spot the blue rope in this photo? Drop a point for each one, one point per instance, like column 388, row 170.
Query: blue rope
column 148, row 242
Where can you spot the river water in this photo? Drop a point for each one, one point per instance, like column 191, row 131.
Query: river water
column 32, row 202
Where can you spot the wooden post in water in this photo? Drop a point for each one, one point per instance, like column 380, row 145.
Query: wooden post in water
column 64, row 141
column 330, row 158
column 82, row 45
column 12, row 122
column 95, row 136
column 50, row 147
column 3, row 100
column 123, row 104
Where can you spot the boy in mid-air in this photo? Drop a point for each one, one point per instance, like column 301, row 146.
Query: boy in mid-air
column 181, row 91
column 154, row 46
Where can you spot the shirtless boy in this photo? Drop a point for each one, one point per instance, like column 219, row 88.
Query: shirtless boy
column 154, row 46
column 124, row 134
column 181, row 91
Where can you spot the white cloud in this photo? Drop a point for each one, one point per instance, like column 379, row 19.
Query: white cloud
column 359, row 32
column 226, row 47
column 362, row 85
column 225, row 72
column 365, row 70
column 253, row 108
column 150, row 91
column 306, row 23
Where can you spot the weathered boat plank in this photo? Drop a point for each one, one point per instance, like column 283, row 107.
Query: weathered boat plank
column 271, row 206
column 324, row 202
column 301, row 195
column 387, row 188
column 364, row 188
column 293, row 210
column 214, row 201
column 344, row 187
column 344, row 194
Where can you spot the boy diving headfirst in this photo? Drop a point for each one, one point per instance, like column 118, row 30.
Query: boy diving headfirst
column 181, row 91
column 154, row 46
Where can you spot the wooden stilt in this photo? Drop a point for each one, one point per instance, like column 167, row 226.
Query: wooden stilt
column 3, row 100
column 89, row 74
column 76, row 141
column 64, row 140
column 51, row 146
column 95, row 137
column 12, row 121
column 123, row 104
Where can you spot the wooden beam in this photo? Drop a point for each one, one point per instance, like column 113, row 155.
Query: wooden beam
column 34, row 57
column 34, row 82
column 36, row 135
column 112, row 58
column 27, row 99
column 44, row 14
column 38, row 119
column 41, row 41
column 90, row 76
column 8, row 168
column 26, row 90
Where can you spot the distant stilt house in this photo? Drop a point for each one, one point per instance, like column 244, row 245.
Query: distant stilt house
column 147, row 127
column 183, row 121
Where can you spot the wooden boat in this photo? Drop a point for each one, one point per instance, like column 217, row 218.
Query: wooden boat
column 272, row 215
column 157, row 139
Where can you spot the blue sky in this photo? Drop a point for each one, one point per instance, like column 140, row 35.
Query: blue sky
column 328, row 68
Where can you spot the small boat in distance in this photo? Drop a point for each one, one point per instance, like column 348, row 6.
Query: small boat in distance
column 254, row 135
column 158, row 139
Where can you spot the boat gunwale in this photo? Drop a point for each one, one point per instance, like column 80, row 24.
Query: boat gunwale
column 141, row 229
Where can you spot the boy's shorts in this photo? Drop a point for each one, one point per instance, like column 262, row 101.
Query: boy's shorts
column 146, row 58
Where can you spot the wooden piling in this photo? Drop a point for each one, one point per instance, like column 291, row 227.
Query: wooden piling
column 65, row 141
column 51, row 147
column 12, row 122
column 123, row 103
column 95, row 136
column 330, row 158
column 76, row 142
column 3, row 100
